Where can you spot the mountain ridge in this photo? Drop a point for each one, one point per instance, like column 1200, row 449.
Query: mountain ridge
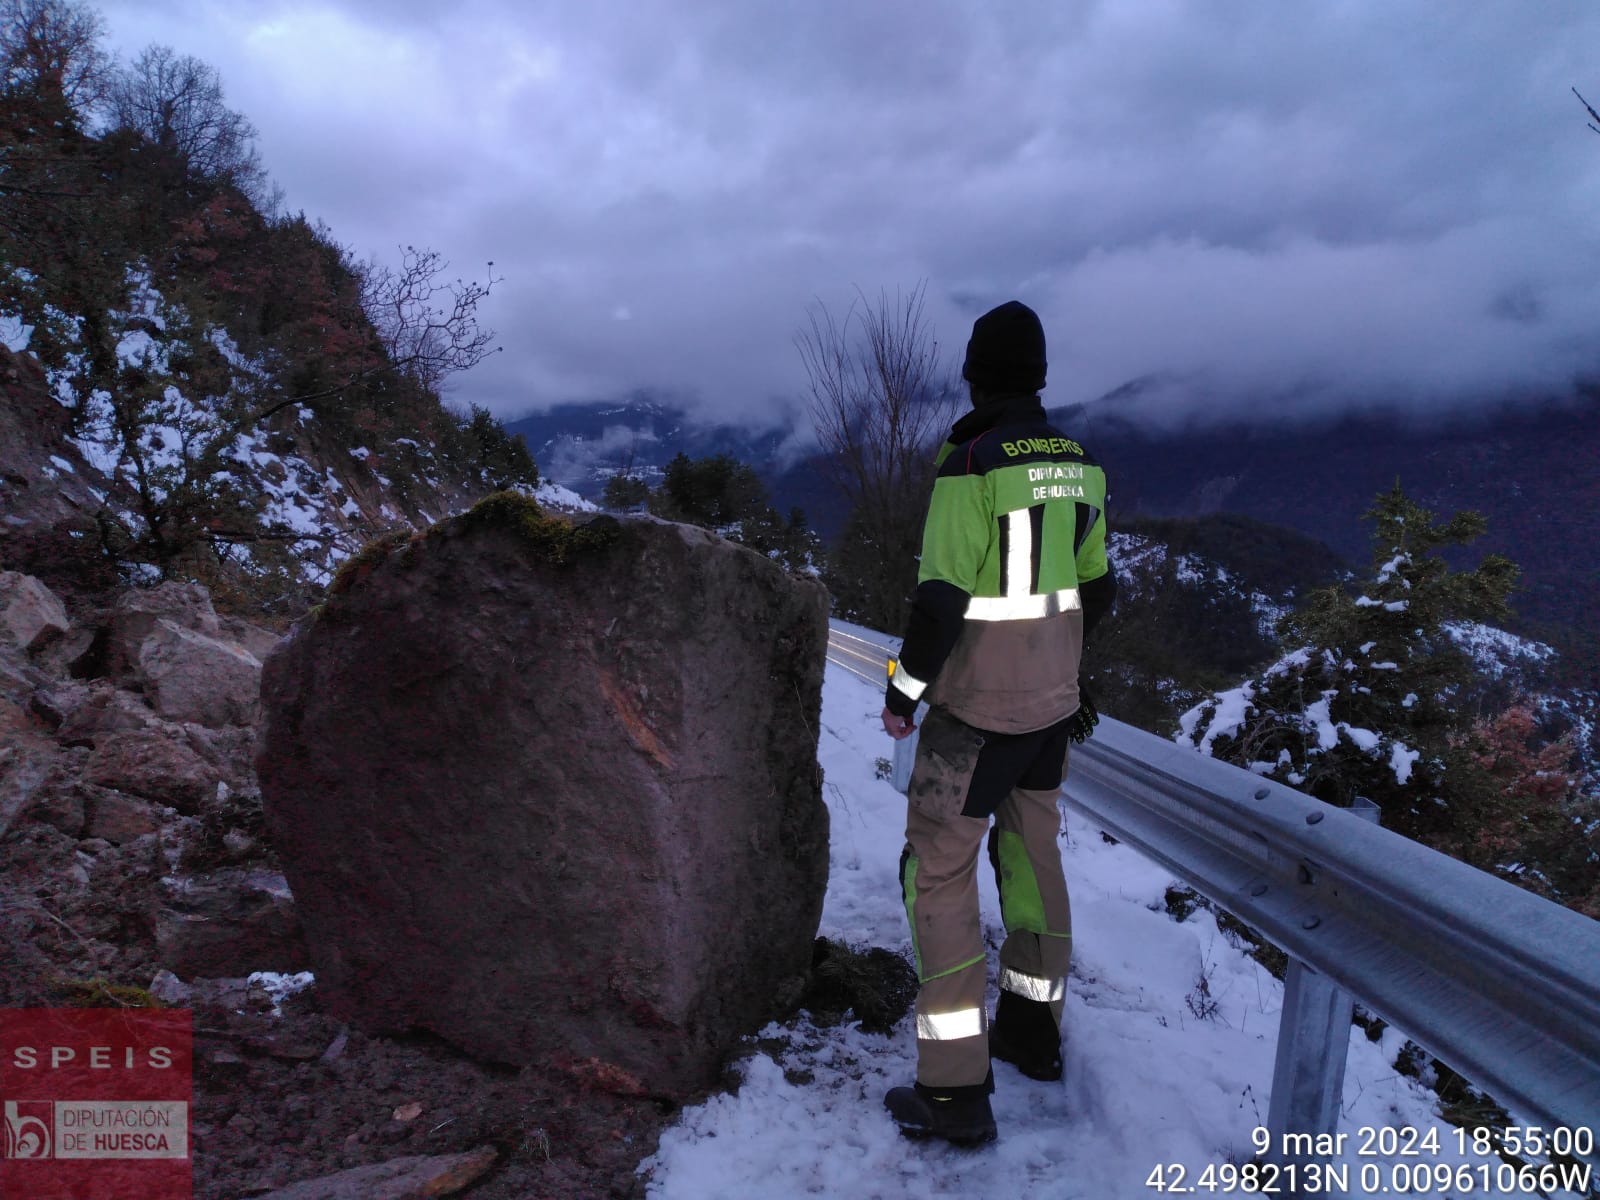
column 1529, row 470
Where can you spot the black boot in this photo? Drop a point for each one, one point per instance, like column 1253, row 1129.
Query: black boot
column 957, row 1114
column 1025, row 1034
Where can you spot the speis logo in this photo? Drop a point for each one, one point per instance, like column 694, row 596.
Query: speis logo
column 95, row 1102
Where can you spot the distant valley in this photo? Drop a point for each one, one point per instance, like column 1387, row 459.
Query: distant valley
column 1533, row 473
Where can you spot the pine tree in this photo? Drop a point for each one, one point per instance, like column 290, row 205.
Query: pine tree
column 726, row 495
column 1371, row 702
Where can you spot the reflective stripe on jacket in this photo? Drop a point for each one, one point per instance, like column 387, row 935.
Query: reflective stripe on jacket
column 1013, row 551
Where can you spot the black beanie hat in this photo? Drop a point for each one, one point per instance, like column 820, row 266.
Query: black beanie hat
column 1006, row 353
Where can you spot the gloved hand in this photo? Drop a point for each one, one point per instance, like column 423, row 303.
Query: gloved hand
column 1080, row 725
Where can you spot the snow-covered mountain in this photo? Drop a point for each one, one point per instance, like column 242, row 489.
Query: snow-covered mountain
column 581, row 446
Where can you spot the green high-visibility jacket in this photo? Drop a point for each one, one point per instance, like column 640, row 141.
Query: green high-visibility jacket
column 1013, row 573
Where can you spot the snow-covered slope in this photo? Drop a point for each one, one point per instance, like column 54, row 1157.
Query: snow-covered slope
column 1145, row 563
column 1148, row 1084
column 294, row 481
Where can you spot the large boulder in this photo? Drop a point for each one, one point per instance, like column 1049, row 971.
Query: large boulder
column 552, row 793
column 27, row 763
column 138, row 610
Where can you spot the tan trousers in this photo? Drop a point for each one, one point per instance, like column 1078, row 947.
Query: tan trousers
column 938, row 873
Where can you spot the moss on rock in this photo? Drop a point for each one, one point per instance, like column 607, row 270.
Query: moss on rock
column 100, row 993
column 550, row 538
column 358, row 566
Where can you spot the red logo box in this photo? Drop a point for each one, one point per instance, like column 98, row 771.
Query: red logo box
column 95, row 1103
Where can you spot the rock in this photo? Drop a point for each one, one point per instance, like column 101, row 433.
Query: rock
column 189, row 676
column 21, row 773
column 31, row 616
column 231, row 995
column 14, row 719
column 119, row 818
column 554, row 810
column 170, row 644
column 60, row 807
column 52, row 705
column 410, row 1178
column 231, row 751
column 36, row 784
column 148, row 763
column 57, row 656
column 90, row 713
column 223, row 1063
column 170, row 990
column 137, row 611
column 230, row 923
column 252, row 639
column 336, row 1048
column 286, row 1046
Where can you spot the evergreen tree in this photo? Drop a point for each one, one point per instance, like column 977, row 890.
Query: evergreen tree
column 726, row 495
column 871, row 574
column 1371, row 702
column 502, row 460
column 715, row 492
column 626, row 492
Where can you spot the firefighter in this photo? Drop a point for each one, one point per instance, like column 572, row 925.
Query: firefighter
column 1013, row 576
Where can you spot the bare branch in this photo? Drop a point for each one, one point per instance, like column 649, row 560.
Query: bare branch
column 53, row 46
column 176, row 102
column 1594, row 122
column 428, row 326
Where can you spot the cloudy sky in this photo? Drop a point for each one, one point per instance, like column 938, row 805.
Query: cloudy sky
column 1243, row 199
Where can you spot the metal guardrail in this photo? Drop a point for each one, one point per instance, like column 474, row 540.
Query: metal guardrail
column 1502, row 985
column 862, row 658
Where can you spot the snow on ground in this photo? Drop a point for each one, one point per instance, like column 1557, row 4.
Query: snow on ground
column 1148, row 1083
column 1135, row 557
column 1139, row 562
column 1494, row 650
column 14, row 335
column 553, row 495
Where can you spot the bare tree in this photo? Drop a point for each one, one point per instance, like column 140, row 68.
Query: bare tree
column 1594, row 117
column 428, row 324
column 52, row 47
column 175, row 101
column 427, row 327
column 880, row 402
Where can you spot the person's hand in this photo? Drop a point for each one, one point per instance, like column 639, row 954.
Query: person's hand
column 897, row 727
column 1080, row 725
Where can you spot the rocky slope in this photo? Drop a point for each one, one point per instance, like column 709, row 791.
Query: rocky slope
column 134, row 863
column 135, row 869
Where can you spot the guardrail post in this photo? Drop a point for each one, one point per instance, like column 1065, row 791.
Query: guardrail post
column 1313, row 1043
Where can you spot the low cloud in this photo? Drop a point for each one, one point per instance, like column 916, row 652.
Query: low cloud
column 1332, row 202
